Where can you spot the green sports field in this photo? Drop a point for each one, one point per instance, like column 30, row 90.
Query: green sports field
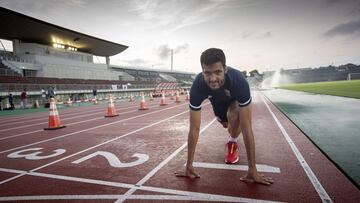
column 346, row 88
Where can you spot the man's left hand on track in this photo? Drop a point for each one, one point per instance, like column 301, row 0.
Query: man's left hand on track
column 189, row 173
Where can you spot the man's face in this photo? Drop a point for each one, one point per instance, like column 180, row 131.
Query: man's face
column 214, row 75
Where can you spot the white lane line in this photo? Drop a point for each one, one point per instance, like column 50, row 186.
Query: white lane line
column 23, row 126
column 111, row 140
column 64, row 112
column 186, row 193
column 196, row 195
column 69, row 178
column 204, row 195
column 101, row 197
column 81, row 180
column 70, row 124
column 21, row 134
column 260, row 167
column 207, row 197
column 158, row 167
column 73, row 117
column 113, row 197
column 169, row 158
column 11, row 170
column 310, row 174
column 89, row 129
column 98, row 145
column 26, row 120
column 12, row 178
column 69, row 114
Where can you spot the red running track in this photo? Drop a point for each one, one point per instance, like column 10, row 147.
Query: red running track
column 133, row 157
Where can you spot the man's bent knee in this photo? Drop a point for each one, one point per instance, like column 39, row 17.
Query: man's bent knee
column 234, row 131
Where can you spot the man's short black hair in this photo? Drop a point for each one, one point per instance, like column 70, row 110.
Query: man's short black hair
column 213, row 55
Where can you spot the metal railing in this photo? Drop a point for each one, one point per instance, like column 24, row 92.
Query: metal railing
column 18, row 87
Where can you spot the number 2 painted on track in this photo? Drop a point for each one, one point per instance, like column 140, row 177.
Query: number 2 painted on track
column 114, row 161
column 34, row 154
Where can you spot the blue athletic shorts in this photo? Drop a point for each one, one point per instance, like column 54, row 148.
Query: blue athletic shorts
column 220, row 110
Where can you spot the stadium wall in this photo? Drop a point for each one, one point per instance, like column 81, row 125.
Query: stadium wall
column 64, row 68
column 62, row 63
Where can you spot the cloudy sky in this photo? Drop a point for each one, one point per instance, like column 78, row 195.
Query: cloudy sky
column 254, row 34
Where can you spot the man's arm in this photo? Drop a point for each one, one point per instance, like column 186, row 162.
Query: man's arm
column 246, row 126
column 193, row 136
column 195, row 121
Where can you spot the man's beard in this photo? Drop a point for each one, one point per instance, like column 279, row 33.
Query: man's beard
column 217, row 86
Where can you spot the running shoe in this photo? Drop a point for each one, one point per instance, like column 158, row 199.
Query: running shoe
column 231, row 149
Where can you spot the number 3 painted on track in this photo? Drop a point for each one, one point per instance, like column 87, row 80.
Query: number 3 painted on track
column 34, row 155
column 114, row 161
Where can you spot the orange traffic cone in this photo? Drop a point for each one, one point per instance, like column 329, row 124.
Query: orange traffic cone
column 162, row 101
column 111, row 111
column 172, row 96
column 54, row 120
column 177, row 97
column 143, row 104
column 187, row 95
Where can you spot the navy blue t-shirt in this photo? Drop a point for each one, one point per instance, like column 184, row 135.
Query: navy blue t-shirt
column 235, row 88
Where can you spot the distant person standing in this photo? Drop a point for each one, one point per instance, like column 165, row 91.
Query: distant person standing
column 23, row 98
column 1, row 103
column 51, row 92
column 43, row 96
column 11, row 101
column 94, row 93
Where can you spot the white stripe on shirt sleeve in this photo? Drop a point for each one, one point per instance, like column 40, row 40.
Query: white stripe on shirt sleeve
column 245, row 103
column 195, row 107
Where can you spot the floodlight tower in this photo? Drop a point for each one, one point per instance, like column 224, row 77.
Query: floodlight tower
column 172, row 60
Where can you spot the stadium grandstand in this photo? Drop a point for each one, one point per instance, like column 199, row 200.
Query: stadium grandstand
column 48, row 55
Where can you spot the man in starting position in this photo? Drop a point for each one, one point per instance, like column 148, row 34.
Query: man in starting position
column 229, row 94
